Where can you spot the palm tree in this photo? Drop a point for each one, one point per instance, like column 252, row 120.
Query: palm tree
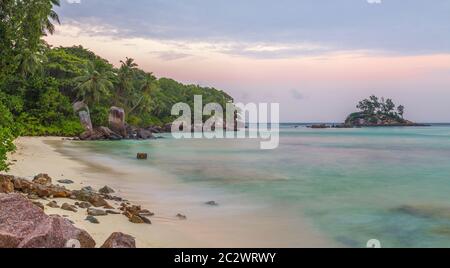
column 144, row 99
column 93, row 85
column 125, row 83
column 30, row 62
column 48, row 25
column 129, row 64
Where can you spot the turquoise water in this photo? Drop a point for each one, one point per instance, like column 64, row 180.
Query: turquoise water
column 390, row 184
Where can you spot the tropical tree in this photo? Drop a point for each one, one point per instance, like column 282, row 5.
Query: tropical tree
column 31, row 62
column 22, row 25
column 373, row 106
column 143, row 100
column 125, row 81
column 93, row 85
column 401, row 110
column 367, row 106
column 389, row 106
column 48, row 26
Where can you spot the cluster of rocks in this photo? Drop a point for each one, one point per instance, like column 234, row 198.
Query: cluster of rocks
column 136, row 214
column 324, row 126
column 319, row 126
column 25, row 225
column 96, row 203
column 118, row 129
column 40, row 187
column 130, row 133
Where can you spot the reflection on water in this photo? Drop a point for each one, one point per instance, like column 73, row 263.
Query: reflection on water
column 390, row 184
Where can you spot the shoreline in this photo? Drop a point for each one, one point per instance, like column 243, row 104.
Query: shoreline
column 205, row 226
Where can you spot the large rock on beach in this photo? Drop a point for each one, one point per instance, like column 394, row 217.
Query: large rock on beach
column 24, row 225
column 85, row 118
column 119, row 240
column 116, row 121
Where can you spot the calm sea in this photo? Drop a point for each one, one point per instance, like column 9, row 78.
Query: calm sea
column 390, row 184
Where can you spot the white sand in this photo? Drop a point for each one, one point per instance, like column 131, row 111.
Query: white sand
column 206, row 227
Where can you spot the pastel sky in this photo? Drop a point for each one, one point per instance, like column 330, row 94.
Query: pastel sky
column 317, row 58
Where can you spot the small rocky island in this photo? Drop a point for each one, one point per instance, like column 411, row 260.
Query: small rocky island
column 375, row 112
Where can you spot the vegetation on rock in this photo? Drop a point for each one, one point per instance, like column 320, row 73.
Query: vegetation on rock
column 376, row 111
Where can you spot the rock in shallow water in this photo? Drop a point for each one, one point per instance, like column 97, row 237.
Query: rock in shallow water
column 212, row 203
column 24, row 225
column 425, row 211
column 142, row 156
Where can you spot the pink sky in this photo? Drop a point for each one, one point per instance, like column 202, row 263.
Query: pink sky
column 315, row 88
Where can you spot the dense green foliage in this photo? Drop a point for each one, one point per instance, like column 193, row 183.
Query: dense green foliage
column 22, row 25
column 376, row 106
column 375, row 110
column 6, row 135
column 39, row 84
column 83, row 76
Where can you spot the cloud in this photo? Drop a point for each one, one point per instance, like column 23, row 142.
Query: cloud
column 175, row 49
column 274, row 50
column 170, row 55
column 337, row 25
column 297, row 94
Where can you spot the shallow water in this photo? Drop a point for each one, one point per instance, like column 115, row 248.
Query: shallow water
column 390, row 184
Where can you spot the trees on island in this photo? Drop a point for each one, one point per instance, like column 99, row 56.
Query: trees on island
column 374, row 106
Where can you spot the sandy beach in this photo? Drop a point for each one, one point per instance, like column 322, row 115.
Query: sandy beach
column 223, row 226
